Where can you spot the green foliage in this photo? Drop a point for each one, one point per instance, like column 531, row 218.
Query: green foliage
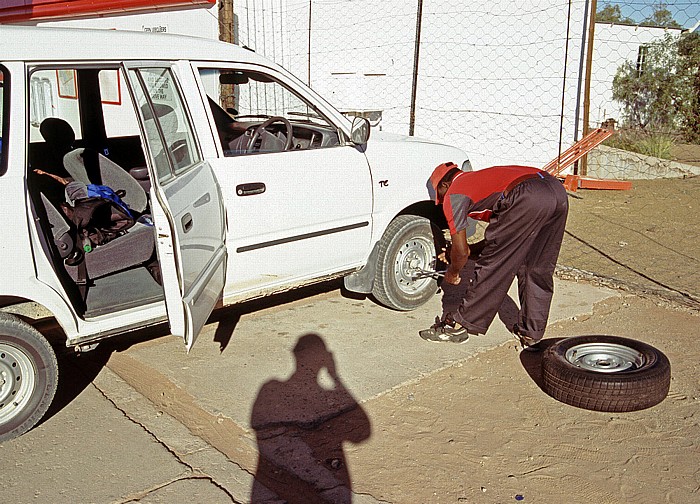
column 689, row 75
column 656, row 145
column 663, row 94
column 612, row 14
column 661, row 17
column 649, row 93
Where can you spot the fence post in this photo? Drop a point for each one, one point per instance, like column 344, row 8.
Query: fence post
column 416, row 57
column 587, row 88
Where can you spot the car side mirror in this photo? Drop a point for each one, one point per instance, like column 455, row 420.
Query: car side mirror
column 359, row 133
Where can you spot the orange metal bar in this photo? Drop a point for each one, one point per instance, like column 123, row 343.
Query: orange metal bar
column 23, row 10
column 574, row 182
column 577, row 151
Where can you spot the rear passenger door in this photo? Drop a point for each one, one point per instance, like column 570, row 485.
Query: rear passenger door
column 187, row 208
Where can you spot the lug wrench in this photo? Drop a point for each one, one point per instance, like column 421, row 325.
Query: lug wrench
column 422, row 273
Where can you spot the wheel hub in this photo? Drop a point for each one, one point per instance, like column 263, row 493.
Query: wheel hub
column 415, row 255
column 604, row 357
column 17, row 379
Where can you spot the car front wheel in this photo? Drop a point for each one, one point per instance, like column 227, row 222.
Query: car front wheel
column 28, row 376
column 406, row 251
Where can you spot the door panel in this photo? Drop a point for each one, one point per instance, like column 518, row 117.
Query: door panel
column 187, row 205
column 312, row 218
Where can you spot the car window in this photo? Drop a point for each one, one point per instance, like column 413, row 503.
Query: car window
column 255, row 113
column 4, row 114
column 167, row 125
column 54, row 93
column 82, row 107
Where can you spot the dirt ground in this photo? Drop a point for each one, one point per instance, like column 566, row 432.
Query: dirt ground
column 484, row 432
column 647, row 239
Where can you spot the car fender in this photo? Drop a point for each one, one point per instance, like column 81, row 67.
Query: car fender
column 401, row 167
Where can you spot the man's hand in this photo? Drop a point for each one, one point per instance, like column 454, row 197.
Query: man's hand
column 452, row 278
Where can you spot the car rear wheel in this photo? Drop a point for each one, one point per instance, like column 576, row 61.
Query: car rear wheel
column 407, row 249
column 606, row 373
column 28, row 376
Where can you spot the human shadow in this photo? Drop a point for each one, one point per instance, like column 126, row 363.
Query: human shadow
column 301, row 425
column 508, row 312
column 532, row 361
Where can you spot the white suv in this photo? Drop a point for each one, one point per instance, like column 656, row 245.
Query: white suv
column 240, row 180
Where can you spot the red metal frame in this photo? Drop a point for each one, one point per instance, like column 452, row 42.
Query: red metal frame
column 24, row 10
column 576, row 152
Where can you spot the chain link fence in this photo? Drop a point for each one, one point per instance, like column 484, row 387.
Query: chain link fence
column 520, row 83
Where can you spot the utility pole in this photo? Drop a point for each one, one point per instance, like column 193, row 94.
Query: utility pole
column 227, row 99
column 416, row 59
column 587, row 88
column 226, row 21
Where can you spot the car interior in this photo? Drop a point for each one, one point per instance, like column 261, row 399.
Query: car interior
column 73, row 139
column 255, row 114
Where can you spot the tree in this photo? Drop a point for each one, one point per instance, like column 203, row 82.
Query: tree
column 689, row 75
column 649, row 89
column 612, row 14
column 661, row 17
column 661, row 91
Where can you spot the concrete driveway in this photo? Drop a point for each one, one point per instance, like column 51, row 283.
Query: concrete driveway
column 140, row 420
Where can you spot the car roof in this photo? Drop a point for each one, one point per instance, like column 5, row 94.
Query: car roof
column 31, row 43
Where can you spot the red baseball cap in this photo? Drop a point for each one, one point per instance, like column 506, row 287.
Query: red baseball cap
column 438, row 174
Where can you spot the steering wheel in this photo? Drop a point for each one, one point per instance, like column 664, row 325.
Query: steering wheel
column 262, row 129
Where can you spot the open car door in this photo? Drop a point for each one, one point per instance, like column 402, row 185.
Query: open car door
column 186, row 202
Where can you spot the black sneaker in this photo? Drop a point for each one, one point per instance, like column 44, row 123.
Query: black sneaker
column 527, row 344
column 445, row 330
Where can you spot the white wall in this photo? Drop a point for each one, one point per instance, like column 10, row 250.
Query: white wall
column 491, row 73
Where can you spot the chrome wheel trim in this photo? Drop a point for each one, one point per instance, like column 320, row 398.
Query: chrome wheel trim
column 414, row 255
column 605, row 357
column 17, row 381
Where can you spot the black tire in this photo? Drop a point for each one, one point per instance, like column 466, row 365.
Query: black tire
column 28, row 376
column 408, row 244
column 606, row 373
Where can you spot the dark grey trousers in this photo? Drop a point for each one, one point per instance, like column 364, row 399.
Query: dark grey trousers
column 523, row 238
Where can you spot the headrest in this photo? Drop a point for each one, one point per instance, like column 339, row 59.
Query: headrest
column 58, row 133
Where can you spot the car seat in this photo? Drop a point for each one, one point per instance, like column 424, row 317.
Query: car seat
column 91, row 167
column 133, row 249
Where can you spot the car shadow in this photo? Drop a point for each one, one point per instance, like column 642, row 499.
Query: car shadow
column 229, row 317
column 77, row 370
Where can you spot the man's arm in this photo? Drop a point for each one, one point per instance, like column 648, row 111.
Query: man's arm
column 459, row 254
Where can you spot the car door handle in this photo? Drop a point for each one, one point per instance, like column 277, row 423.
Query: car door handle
column 186, row 222
column 250, row 189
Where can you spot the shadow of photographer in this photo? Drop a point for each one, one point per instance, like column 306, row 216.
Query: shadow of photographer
column 301, row 425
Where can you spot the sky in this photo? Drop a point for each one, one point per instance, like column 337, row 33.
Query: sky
column 685, row 12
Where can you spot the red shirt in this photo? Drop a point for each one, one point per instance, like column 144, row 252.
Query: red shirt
column 475, row 194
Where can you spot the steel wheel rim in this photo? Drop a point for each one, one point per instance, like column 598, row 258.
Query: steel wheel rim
column 17, row 381
column 605, row 357
column 414, row 255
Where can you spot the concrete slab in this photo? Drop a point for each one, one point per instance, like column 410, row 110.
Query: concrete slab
column 88, row 452
column 373, row 350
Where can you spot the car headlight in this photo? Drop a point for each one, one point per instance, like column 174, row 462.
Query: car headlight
column 467, row 165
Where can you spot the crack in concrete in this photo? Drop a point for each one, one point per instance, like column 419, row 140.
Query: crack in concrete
column 194, row 473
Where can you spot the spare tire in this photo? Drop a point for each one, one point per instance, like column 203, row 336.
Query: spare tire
column 606, row 373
